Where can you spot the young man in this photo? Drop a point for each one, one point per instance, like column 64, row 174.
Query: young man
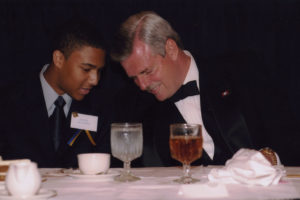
column 38, row 113
column 151, row 53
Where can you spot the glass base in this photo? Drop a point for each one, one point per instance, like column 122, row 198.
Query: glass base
column 126, row 178
column 186, row 180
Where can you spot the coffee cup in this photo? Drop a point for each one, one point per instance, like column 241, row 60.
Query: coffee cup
column 23, row 179
column 93, row 163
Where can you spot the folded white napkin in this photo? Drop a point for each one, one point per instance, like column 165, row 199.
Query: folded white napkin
column 247, row 167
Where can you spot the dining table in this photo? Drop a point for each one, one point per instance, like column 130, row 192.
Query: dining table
column 157, row 183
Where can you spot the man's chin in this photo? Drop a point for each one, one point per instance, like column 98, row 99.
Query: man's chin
column 160, row 98
column 78, row 97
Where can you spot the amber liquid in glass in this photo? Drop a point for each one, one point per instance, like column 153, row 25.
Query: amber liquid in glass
column 186, row 149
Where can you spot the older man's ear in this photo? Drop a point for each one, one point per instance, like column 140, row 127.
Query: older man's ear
column 171, row 49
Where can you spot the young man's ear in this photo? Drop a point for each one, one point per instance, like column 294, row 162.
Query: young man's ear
column 58, row 58
column 171, row 49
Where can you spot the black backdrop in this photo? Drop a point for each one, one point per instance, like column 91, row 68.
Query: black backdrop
column 269, row 28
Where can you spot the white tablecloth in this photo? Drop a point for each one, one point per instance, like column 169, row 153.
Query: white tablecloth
column 157, row 183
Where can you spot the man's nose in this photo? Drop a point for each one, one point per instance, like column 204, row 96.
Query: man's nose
column 93, row 78
column 142, row 82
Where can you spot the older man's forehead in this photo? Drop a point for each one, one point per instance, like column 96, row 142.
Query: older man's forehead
column 141, row 48
column 140, row 57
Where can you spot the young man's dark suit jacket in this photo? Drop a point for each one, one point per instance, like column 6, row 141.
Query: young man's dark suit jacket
column 26, row 132
column 221, row 115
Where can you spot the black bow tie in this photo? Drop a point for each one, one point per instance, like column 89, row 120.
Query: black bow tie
column 189, row 89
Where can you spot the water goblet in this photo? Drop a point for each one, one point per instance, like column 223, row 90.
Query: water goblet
column 186, row 147
column 126, row 145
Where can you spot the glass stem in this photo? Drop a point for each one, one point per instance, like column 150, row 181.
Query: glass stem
column 186, row 170
column 127, row 167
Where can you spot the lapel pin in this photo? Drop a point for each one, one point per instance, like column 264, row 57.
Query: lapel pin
column 225, row 93
column 75, row 114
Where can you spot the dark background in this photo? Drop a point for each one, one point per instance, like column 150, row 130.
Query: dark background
column 268, row 28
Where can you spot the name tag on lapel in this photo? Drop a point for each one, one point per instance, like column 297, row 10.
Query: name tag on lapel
column 84, row 122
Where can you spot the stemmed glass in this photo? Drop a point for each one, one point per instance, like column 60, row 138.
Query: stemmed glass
column 126, row 145
column 186, row 147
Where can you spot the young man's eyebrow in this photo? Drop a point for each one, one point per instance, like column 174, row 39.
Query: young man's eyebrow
column 90, row 65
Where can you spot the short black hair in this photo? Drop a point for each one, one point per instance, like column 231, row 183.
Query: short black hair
column 74, row 34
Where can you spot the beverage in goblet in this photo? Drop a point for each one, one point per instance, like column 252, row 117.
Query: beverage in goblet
column 126, row 145
column 186, row 147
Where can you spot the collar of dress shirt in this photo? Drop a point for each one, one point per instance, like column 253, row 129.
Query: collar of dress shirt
column 193, row 73
column 50, row 95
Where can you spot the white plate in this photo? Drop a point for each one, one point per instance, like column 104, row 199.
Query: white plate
column 56, row 172
column 109, row 176
column 42, row 194
column 2, row 185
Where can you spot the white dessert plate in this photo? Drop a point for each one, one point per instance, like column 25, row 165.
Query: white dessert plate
column 108, row 176
column 2, row 185
column 43, row 194
column 56, row 172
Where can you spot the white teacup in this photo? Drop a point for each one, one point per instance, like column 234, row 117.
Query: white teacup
column 23, row 179
column 93, row 163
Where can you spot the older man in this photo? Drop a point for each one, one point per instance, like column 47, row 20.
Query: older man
column 188, row 90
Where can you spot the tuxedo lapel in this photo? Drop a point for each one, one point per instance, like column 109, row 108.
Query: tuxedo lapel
column 157, row 132
column 230, row 122
column 221, row 116
column 167, row 113
column 209, row 117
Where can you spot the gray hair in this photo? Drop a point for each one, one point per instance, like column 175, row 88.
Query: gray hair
column 148, row 27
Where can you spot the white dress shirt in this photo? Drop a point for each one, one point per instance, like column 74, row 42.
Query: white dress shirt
column 190, row 108
column 50, row 95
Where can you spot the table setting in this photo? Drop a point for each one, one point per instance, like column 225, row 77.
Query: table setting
column 249, row 174
column 157, row 183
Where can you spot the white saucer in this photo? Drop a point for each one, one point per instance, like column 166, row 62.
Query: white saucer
column 108, row 176
column 43, row 194
column 2, row 185
column 56, row 172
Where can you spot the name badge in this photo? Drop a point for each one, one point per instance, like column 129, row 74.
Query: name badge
column 84, row 122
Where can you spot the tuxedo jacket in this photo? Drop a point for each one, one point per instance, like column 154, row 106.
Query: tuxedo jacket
column 26, row 131
column 222, row 117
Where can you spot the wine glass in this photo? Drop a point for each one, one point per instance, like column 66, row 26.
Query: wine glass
column 186, row 147
column 126, row 145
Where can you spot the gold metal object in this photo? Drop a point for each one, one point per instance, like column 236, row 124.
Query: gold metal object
column 293, row 175
column 269, row 155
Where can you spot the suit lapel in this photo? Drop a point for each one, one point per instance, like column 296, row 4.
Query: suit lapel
column 36, row 115
column 217, row 101
column 83, row 107
column 82, row 143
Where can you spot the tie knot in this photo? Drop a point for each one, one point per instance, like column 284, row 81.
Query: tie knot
column 60, row 102
column 189, row 89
